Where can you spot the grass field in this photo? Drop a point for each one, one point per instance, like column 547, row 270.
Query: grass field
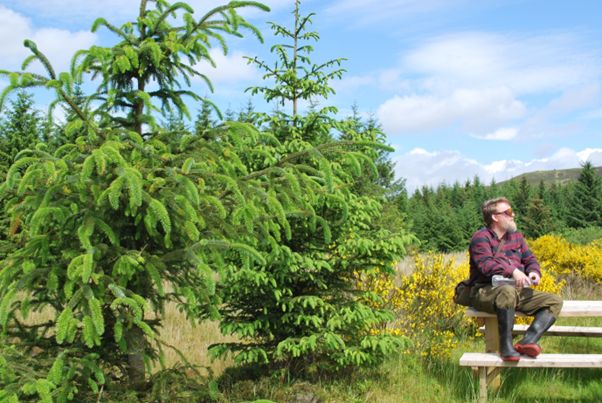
column 406, row 377
column 402, row 378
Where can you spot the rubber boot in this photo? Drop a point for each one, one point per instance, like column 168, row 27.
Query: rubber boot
column 542, row 322
column 505, row 322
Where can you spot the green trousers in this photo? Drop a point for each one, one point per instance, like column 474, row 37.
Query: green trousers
column 526, row 300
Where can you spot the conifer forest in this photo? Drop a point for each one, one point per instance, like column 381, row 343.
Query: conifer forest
column 145, row 194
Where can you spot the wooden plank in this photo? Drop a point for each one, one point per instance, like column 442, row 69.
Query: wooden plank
column 581, row 308
column 577, row 331
column 542, row 361
column 569, row 309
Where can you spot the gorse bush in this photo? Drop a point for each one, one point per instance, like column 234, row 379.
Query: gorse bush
column 426, row 312
column 568, row 260
column 422, row 302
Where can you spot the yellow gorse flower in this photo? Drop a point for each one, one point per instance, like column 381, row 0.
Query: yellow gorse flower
column 567, row 261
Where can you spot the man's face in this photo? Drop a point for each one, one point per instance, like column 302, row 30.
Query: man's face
column 504, row 216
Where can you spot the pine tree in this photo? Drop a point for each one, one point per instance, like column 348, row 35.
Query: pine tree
column 521, row 200
column 558, row 204
column 229, row 115
column 204, row 122
column 542, row 194
column 539, row 219
column 61, row 133
column 20, row 128
column 380, row 183
column 247, row 114
column 585, row 209
column 493, row 189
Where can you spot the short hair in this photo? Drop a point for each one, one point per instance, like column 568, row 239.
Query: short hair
column 489, row 207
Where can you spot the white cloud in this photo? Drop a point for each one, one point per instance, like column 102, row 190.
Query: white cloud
column 421, row 152
column 60, row 45
column 593, row 155
column 57, row 44
column 501, row 134
column 575, row 98
column 482, row 81
column 229, row 68
column 13, row 29
column 527, row 64
column 432, row 168
column 475, row 108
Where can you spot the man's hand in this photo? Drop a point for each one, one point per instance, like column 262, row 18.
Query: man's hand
column 520, row 279
column 534, row 277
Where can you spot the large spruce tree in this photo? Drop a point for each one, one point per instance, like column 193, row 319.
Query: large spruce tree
column 305, row 309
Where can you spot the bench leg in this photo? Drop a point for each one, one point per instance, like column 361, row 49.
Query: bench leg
column 487, row 376
column 482, row 384
column 492, row 345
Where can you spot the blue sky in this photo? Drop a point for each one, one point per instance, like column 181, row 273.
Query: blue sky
column 462, row 88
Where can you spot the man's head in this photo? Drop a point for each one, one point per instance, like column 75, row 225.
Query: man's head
column 498, row 215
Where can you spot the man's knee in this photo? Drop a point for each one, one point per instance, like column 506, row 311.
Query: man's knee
column 555, row 305
column 507, row 297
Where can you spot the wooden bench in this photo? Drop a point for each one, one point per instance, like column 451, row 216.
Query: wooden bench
column 581, row 331
column 488, row 364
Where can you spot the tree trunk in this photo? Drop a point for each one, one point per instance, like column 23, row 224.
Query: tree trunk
column 136, row 342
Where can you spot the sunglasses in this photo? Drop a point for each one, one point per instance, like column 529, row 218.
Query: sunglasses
column 508, row 212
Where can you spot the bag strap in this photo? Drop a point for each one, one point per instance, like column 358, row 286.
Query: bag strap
column 469, row 281
column 499, row 247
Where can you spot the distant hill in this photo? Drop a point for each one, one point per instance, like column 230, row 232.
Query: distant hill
column 558, row 176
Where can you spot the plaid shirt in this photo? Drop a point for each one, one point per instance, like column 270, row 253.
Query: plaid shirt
column 486, row 260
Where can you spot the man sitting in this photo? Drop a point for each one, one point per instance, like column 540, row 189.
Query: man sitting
column 499, row 249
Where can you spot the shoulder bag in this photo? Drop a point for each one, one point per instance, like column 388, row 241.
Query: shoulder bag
column 464, row 287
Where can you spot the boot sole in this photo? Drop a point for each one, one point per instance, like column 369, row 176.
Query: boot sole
column 531, row 350
column 511, row 359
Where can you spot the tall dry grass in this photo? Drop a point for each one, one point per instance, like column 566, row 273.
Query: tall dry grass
column 192, row 341
column 407, row 265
